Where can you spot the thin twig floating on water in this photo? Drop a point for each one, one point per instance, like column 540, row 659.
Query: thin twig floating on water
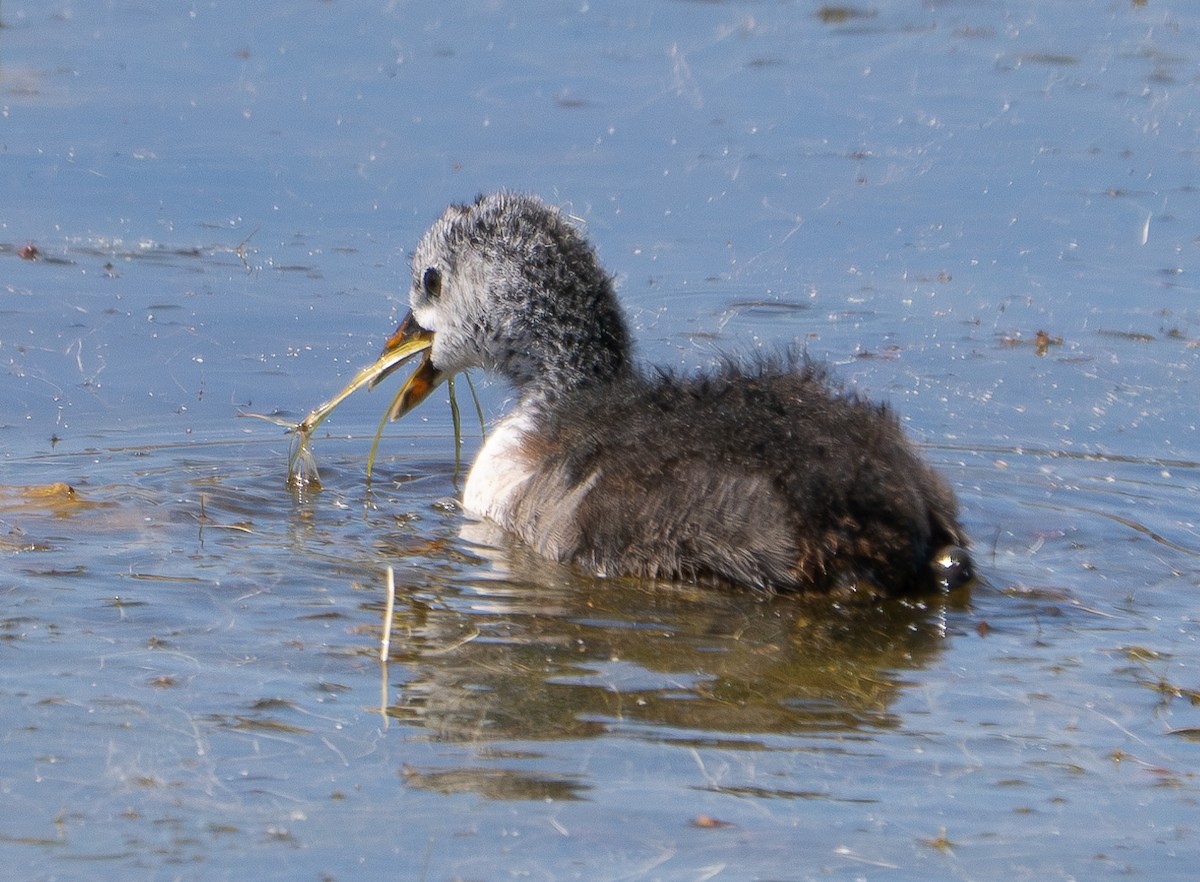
column 240, row 251
column 385, row 644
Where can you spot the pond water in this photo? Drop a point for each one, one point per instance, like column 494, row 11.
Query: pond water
column 983, row 212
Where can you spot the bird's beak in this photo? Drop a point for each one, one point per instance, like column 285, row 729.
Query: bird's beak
column 408, row 340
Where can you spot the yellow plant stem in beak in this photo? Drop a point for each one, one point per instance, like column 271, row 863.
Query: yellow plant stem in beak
column 400, row 348
column 408, row 340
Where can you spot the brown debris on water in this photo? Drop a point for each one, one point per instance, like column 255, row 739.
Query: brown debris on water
column 1042, row 341
column 706, row 822
column 831, row 14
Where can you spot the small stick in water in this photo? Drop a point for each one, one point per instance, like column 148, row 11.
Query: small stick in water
column 385, row 645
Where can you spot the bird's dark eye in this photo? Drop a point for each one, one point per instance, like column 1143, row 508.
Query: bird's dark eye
column 431, row 281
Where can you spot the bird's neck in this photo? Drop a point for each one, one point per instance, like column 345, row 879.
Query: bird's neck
column 576, row 340
column 563, row 374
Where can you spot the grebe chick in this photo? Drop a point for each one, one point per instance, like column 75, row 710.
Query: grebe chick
column 764, row 475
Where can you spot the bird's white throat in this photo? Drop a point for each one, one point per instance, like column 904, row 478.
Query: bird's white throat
column 501, row 470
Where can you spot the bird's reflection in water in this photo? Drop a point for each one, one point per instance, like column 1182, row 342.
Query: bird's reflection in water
column 525, row 650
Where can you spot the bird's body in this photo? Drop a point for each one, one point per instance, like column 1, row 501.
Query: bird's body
column 764, row 474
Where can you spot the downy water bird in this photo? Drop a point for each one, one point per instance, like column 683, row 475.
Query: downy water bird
column 762, row 473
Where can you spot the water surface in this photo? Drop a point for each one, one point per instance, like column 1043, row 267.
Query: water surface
column 221, row 202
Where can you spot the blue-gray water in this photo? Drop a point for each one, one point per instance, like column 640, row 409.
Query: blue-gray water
column 221, row 198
